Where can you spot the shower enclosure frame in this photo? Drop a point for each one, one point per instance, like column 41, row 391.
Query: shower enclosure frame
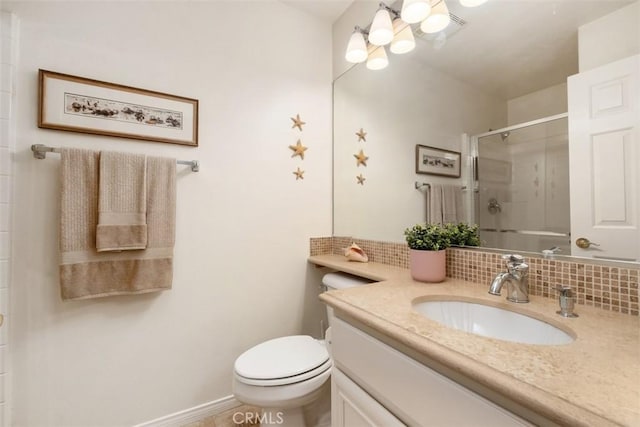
column 472, row 181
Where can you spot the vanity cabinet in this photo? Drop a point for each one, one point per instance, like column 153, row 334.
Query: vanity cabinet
column 351, row 406
column 374, row 384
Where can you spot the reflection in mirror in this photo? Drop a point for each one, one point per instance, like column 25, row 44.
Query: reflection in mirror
column 472, row 80
column 522, row 198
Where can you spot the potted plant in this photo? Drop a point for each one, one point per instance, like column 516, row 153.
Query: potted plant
column 463, row 234
column 427, row 251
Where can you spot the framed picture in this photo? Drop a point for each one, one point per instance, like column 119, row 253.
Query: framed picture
column 436, row 161
column 78, row 104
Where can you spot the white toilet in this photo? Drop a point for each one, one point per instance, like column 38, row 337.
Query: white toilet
column 283, row 375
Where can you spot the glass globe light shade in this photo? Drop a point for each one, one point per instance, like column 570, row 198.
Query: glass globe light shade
column 381, row 31
column 415, row 10
column 403, row 41
column 437, row 20
column 357, row 48
column 377, row 58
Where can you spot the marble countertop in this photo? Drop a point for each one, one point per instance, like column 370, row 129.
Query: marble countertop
column 595, row 380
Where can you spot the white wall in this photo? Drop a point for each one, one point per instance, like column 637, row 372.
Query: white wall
column 536, row 105
column 401, row 106
column 622, row 29
column 243, row 221
column 8, row 60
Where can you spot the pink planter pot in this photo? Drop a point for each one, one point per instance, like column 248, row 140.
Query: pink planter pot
column 428, row 266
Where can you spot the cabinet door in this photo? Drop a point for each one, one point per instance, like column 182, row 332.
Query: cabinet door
column 353, row 407
column 604, row 153
column 411, row 391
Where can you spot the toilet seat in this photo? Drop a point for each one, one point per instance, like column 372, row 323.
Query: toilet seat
column 287, row 380
column 282, row 361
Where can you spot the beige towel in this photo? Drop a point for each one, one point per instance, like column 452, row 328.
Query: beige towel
column 122, row 202
column 434, row 204
column 86, row 273
column 452, row 204
column 444, row 204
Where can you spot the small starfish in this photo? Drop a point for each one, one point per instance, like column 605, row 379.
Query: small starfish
column 298, row 173
column 298, row 150
column 361, row 179
column 297, row 122
column 361, row 135
column 361, row 159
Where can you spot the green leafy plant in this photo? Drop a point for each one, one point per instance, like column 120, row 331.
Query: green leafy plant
column 463, row 234
column 428, row 237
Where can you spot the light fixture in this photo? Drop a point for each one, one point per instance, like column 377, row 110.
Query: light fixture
column 403, row 40
column 370, row 46
column 416, row 10
column 381, row 31
column 357, row 47
column 437, row 20
column 472, row 3
column 377, row 58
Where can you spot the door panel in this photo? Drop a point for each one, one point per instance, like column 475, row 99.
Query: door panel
column 604, row 117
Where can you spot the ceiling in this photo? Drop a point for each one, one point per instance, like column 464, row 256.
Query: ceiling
column 510, row 48
column 329, row 10
column 507, row 47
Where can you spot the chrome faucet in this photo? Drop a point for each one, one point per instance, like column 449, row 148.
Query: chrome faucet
column 516, row 277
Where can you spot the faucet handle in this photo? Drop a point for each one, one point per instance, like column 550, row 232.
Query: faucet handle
column 513, row 259
column 515, row 263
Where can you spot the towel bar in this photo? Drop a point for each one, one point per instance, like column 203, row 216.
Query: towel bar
column 419, row 185
column 40, row 152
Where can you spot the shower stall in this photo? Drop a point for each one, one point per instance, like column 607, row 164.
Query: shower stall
column 521, row 181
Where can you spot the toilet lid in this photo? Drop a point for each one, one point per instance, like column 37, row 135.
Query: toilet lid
column 281, row 358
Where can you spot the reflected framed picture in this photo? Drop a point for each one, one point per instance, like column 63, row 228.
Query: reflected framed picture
column 79, row 104
column 437, row 161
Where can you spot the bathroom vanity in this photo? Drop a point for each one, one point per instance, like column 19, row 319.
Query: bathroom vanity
column 395, row 366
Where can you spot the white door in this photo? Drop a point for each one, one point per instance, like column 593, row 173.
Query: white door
column 604, row 153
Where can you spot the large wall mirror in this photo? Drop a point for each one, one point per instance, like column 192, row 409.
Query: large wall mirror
column 491, row 87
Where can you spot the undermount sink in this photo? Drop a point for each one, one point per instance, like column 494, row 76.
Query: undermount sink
column 492, row 322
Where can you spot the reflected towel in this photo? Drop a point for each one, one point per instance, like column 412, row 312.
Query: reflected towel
column 122, row 202
column 87, row 273
column 452, row 204
column 434, row 204
column 444, row 204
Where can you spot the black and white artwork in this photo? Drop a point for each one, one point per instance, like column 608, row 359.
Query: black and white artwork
column 121, row 111
column 80, row 104
column 437, row 161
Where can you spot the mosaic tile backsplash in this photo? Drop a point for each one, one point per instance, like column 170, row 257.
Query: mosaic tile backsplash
column 608, row 288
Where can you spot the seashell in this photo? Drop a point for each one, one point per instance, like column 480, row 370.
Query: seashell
column 355, row 253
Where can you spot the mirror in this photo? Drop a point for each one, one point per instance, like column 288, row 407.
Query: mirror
column 449, row 93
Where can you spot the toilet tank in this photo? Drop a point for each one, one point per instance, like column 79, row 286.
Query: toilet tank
column 339, row 280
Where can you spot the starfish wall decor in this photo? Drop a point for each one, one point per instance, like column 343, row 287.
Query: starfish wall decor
column 297, row 122
column 362, row 135
column 361, row 159
column 298, row 150
column 299, row 174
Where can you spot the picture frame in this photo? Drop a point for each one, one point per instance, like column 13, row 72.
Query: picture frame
column 437, row 161
column 79, row 104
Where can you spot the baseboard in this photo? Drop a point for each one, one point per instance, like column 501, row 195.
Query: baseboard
column 194, row 414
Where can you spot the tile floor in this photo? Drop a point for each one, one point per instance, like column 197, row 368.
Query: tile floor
column 227, row 418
